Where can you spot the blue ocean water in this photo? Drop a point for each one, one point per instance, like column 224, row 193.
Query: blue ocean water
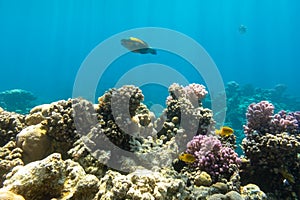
column 43, row 43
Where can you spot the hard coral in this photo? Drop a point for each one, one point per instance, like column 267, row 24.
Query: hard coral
column 117, row 107
column 261, row 120
column 259, row 117
column 272, row 144
column 212, row 157
column 184, row 105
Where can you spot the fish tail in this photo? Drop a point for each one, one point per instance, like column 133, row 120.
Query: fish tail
column 152, row 51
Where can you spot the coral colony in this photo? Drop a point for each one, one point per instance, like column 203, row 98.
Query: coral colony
column 73, row 149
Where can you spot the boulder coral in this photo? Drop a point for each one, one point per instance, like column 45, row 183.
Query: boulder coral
column 50, row 178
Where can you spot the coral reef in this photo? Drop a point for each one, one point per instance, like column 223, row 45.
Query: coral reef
column 57, row 119
column 118, row 149
column 141, row 184
column 185, row 112
column 51, row 178
column 34, row 142
column 116, row 109
column 17, row 100
column 212, row 157
column 90, row 155
column 10, row 156
column 10, row 125
column 239, row 97
column 272, row 145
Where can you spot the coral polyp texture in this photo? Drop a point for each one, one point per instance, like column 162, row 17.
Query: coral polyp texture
column 272, row 145
column 212, row 157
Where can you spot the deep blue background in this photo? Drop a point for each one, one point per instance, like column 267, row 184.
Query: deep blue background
column 43, row 43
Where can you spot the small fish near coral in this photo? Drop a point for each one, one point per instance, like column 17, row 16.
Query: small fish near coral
column 187, row 158
column 137, row 45
column 225, row 131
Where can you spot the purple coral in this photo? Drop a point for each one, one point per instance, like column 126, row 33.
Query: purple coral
column 212, row 157
column 261, row 119
column 285, row 122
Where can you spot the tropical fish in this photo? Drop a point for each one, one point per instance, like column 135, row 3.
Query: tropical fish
column 225, row 131
column 186, row 157
column 242, row 29
column 137, row 46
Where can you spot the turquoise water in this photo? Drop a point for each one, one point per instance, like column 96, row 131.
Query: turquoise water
column 43, row 43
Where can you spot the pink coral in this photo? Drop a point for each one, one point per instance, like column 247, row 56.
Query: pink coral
column 194, row 92
column 261, row 119
column 212, row 157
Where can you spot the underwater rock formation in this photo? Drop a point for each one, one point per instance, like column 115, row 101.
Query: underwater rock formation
column 252, row 191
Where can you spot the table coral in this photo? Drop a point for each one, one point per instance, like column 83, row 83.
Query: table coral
column 17, row 100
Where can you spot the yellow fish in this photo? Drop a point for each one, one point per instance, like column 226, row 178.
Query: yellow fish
column 137, row 45
column 186, row 157
column 225, row 131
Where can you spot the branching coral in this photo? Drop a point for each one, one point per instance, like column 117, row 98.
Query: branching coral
column 212, row 157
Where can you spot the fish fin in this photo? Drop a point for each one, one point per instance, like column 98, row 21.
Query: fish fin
column 152, row 51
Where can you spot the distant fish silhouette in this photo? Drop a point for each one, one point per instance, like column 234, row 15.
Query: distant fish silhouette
column 243, row 29
column 137, row 46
